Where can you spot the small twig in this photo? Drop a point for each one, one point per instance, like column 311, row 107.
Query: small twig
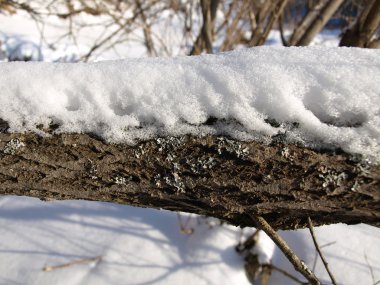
column 319, row 251
column 184, row 229
column 249, row 243
column 316, row 253
column 287, row 274
column 328, row 244
column 299, row 265
column 75, row 262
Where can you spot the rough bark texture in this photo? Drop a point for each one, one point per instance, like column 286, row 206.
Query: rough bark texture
column 260, row 21
column 360, row 34
column 306, row 22
column 319, row 22
column 277, row 11
column 205, row 37
column 212, row 176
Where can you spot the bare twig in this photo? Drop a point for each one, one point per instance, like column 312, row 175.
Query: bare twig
column 206, row 34
column 249, row 243
column 232, row 29
column 19, row 6
column 327, row 244
column 316, row 253
column 184, row 229
column 319, row 251
column 146, row 29
column 281, row 28
column 299, row 265
column 287, row 274
column 75, row 262
column 277, row 11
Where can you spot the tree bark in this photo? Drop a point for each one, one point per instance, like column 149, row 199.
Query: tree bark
column 277, row 11
column 309, row 18
column 360, row 34
column 213, row 176
column 206, row 34
column 233, row 33
column 266, row 17
column 375, row 43
column 149, row 43
column 319, row 22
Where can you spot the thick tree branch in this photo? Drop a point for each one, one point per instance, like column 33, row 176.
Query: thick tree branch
column 308, row 19
column 213, row 176
column 205, row 37
column 318, row 23
column 360, row 34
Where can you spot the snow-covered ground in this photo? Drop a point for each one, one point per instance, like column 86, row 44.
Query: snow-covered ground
column 144, row 246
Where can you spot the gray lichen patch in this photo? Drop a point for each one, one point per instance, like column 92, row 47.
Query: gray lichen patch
column 173, row 180
column 13, row 146
column 157, row 180
column 122, row 180
column 285, row 152
column 139, row 151
column 356, row 185
column 91, row 169
column 232, row 147
column 170, row 157
column 167, row 144
column 169, row 148
column 331, row 178
column 199, row 166
column 364, row 168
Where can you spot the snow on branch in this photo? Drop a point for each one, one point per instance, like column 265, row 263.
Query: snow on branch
column 319, row 97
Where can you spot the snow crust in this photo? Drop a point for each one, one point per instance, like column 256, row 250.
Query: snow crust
column 316, row 95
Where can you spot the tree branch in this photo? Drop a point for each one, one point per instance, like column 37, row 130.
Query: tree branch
column 320, row 252
column 285, row 273
column 212, row 176
column 75, row 262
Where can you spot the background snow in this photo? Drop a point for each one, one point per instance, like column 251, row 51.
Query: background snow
column 144, row 246
column 330, row 92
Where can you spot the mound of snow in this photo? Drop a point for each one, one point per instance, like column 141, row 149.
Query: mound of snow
column 316, row 95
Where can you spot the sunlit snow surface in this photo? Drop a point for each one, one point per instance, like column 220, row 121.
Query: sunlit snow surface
column 331, row 93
